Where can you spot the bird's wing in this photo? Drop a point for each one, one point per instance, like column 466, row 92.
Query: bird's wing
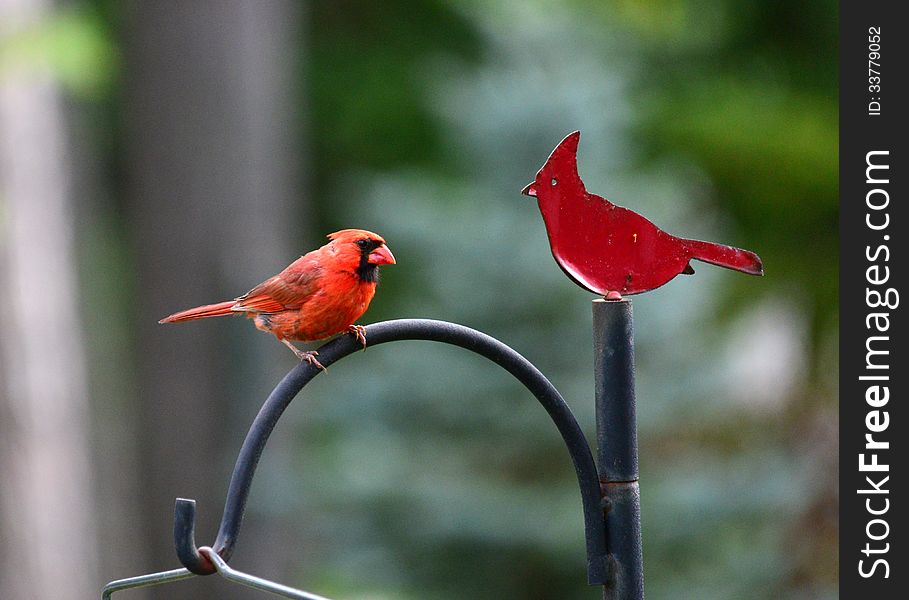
column 287, row 290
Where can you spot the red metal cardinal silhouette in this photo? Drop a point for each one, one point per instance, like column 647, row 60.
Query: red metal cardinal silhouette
column 611, row 250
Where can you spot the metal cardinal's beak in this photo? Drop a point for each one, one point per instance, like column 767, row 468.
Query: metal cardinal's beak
column 530, row 189
column 381, row 256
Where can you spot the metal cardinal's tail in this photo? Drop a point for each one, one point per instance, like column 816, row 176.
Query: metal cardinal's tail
column 725, row 256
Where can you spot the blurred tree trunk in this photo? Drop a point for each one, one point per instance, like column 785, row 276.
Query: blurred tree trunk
column 47, row 520
column 211, row 109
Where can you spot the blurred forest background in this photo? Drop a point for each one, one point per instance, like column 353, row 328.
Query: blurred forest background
column 159, row 155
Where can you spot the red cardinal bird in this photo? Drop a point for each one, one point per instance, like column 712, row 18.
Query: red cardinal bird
column 611, row 250
column 318, row 295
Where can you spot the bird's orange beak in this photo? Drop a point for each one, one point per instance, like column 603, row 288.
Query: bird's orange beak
column 530, row 189
column 381, row 256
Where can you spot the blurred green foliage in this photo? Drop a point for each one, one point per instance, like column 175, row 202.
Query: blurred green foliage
column 71, row 46
column 714, row 116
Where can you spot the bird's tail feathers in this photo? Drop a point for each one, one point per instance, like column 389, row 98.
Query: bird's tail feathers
column 726, row 256
column 201, row 312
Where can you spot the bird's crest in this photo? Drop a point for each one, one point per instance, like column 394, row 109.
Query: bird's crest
column 354, row 234
column 561, row 166
column 565, row 155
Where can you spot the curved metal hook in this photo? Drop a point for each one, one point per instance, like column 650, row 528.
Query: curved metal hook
column 185, row 530
column 380, row 333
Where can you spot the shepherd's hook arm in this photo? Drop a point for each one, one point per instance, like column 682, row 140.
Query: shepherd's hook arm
column 376, row 334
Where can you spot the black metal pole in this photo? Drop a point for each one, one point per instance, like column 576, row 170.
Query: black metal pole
column 617, row 447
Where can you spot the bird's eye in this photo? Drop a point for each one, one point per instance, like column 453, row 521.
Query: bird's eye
column 554, row 181
column 362, row 244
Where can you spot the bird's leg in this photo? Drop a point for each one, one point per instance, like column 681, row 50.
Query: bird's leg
column 613, row 295
column 309, row 356
column 359, row 332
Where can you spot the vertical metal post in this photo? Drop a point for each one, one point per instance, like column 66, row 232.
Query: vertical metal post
column 617, row 447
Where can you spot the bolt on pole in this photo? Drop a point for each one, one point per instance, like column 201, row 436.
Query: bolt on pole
column 617, row 447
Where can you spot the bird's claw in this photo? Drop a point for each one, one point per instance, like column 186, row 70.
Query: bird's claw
column 307, row 356
column 359, row 332
column 613, row 295
column 310, row 357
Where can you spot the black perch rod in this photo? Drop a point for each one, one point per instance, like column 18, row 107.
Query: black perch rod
column 617, row 447
column 380, row 333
